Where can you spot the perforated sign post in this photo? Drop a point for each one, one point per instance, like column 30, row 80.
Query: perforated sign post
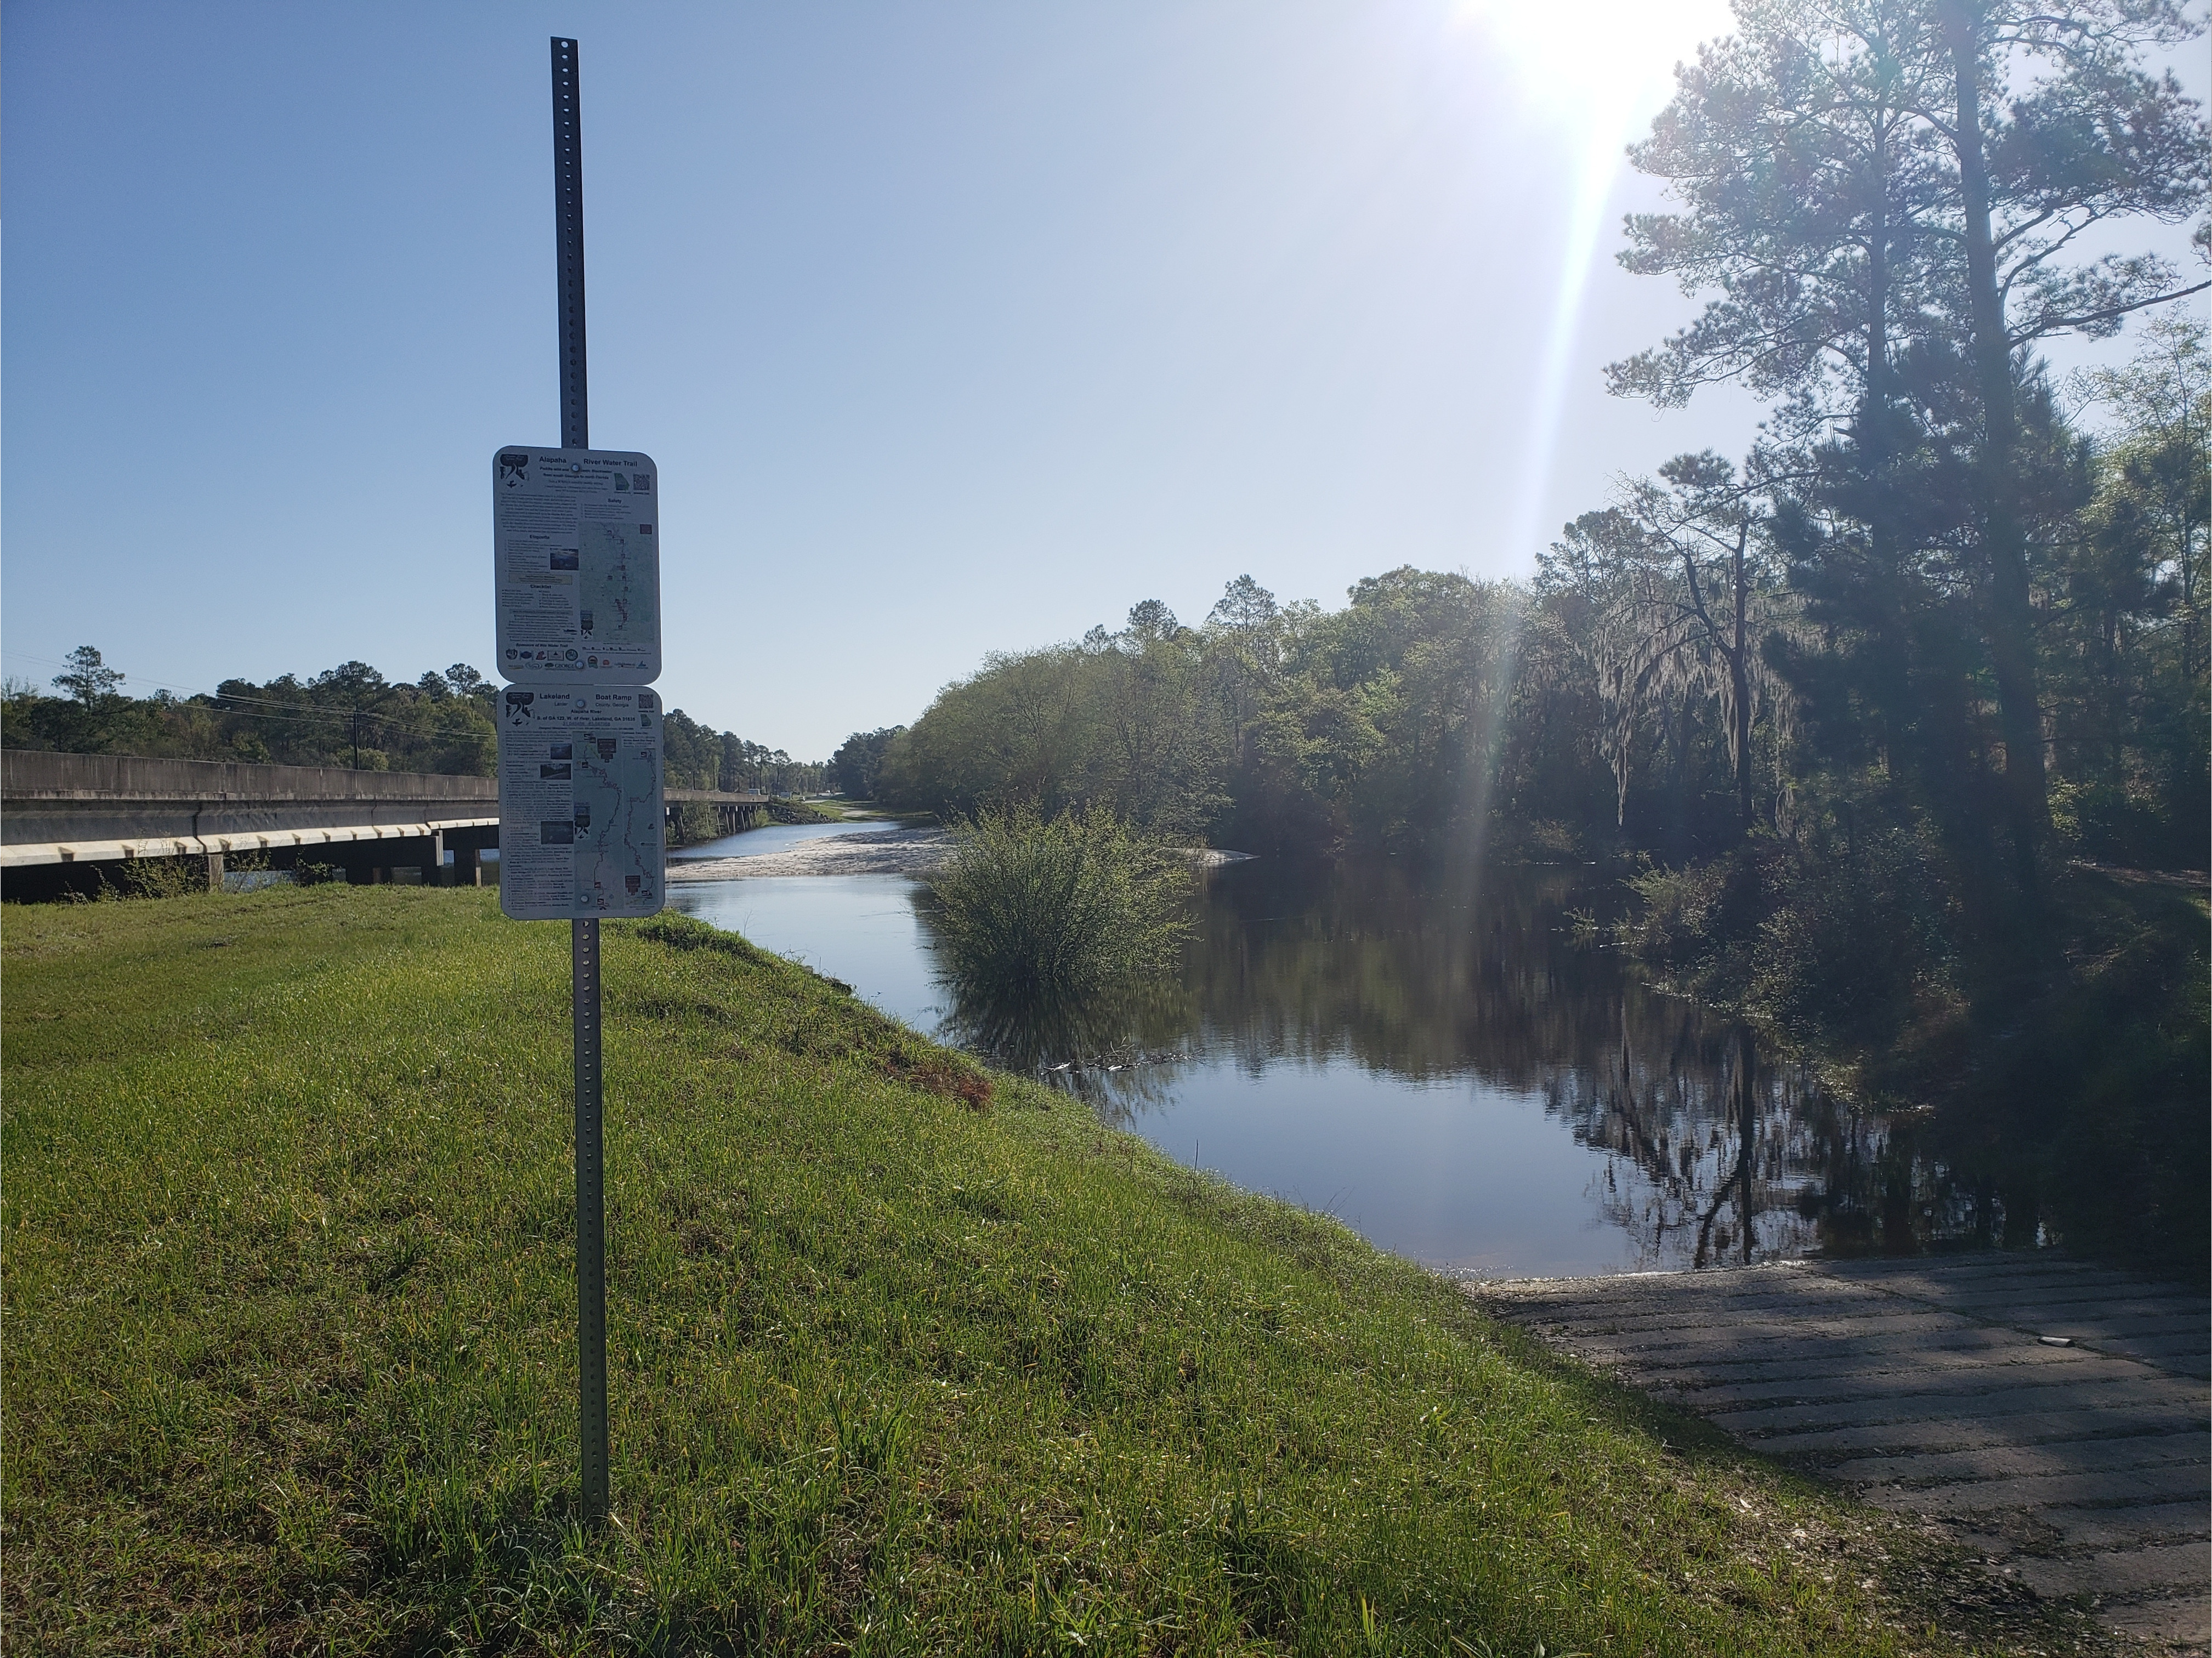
column 576, row 569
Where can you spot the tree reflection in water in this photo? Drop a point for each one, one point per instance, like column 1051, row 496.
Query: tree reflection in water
column 1716, row 1150
column 1710, row 1151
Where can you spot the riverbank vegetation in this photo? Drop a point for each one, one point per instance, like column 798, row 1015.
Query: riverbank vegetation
column 906, row 1357
column 1049, row 925
column 1865, row 706
column 858, row 759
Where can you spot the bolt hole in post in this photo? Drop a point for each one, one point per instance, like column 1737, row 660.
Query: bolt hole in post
column 581, row 804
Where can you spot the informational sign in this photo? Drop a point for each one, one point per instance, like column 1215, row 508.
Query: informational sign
column 576, row 551
column 582, row 827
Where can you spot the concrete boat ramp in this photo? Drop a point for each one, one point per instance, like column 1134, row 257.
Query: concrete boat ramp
column 2051, row 1415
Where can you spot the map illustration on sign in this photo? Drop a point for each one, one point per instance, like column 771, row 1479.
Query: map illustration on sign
column 582, row 827
column 576, row 566
column 621, row 591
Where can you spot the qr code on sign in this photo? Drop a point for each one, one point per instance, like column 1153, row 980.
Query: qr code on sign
column 643, row 481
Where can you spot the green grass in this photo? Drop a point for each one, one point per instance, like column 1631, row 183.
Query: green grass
column 792, row 810
column 877, row 809
column 904, row 1358
column 1041, row 920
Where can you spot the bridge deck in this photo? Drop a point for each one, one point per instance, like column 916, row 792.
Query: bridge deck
column 2051, row 1415
column 96, row 808
column 92, row 808
column 25, row 855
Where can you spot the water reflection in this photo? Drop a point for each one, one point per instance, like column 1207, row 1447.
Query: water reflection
column 1117, row 1053
column 769, row 838
column 1392, row 994
column 1448, row 1070
column 1721, row 1172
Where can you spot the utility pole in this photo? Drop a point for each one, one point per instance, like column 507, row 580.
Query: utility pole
column 584, row 934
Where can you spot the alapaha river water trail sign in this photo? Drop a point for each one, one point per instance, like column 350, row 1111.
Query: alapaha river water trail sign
column 576, row 565
column 576, row 569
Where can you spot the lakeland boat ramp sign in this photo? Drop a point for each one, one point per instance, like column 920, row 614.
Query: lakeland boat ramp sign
column 582, row 828
column 576, row 545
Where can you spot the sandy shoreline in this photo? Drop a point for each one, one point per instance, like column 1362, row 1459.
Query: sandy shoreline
column 880, row 851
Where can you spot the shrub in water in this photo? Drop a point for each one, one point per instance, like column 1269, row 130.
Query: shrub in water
column 1057, row 911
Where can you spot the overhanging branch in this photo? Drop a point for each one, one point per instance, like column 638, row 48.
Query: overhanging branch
column 2048, row 324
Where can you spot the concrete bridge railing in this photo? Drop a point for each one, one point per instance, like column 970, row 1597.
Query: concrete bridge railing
column 65, row 808
column 92, row 808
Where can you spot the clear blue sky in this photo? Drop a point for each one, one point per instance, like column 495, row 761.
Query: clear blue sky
column 952, row 328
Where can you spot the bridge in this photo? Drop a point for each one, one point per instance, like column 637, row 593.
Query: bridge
column 61, row 814
column 732, row 812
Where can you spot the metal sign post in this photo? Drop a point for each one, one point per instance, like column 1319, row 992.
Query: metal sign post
column 584, row 932
column 576, row 599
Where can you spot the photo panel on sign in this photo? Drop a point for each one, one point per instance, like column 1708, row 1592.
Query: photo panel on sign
column 576, row 566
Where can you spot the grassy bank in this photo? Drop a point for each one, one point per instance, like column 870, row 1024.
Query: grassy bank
column 905, row 1358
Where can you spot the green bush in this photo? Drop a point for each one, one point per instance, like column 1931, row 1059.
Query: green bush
column 691, row 822
column 1038, row 911
column 1850, row 950
column 155, row 878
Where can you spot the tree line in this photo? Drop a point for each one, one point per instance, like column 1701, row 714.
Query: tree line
column 1694, row 667
column 1943, row 595
column 1864, row 700
column 349, row 716
column 696, row 756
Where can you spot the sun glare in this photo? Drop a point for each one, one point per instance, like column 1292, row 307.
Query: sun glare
column 1612, row 56
column 1598, row 71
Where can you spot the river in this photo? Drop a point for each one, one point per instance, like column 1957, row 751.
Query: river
column 1448, row 1070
